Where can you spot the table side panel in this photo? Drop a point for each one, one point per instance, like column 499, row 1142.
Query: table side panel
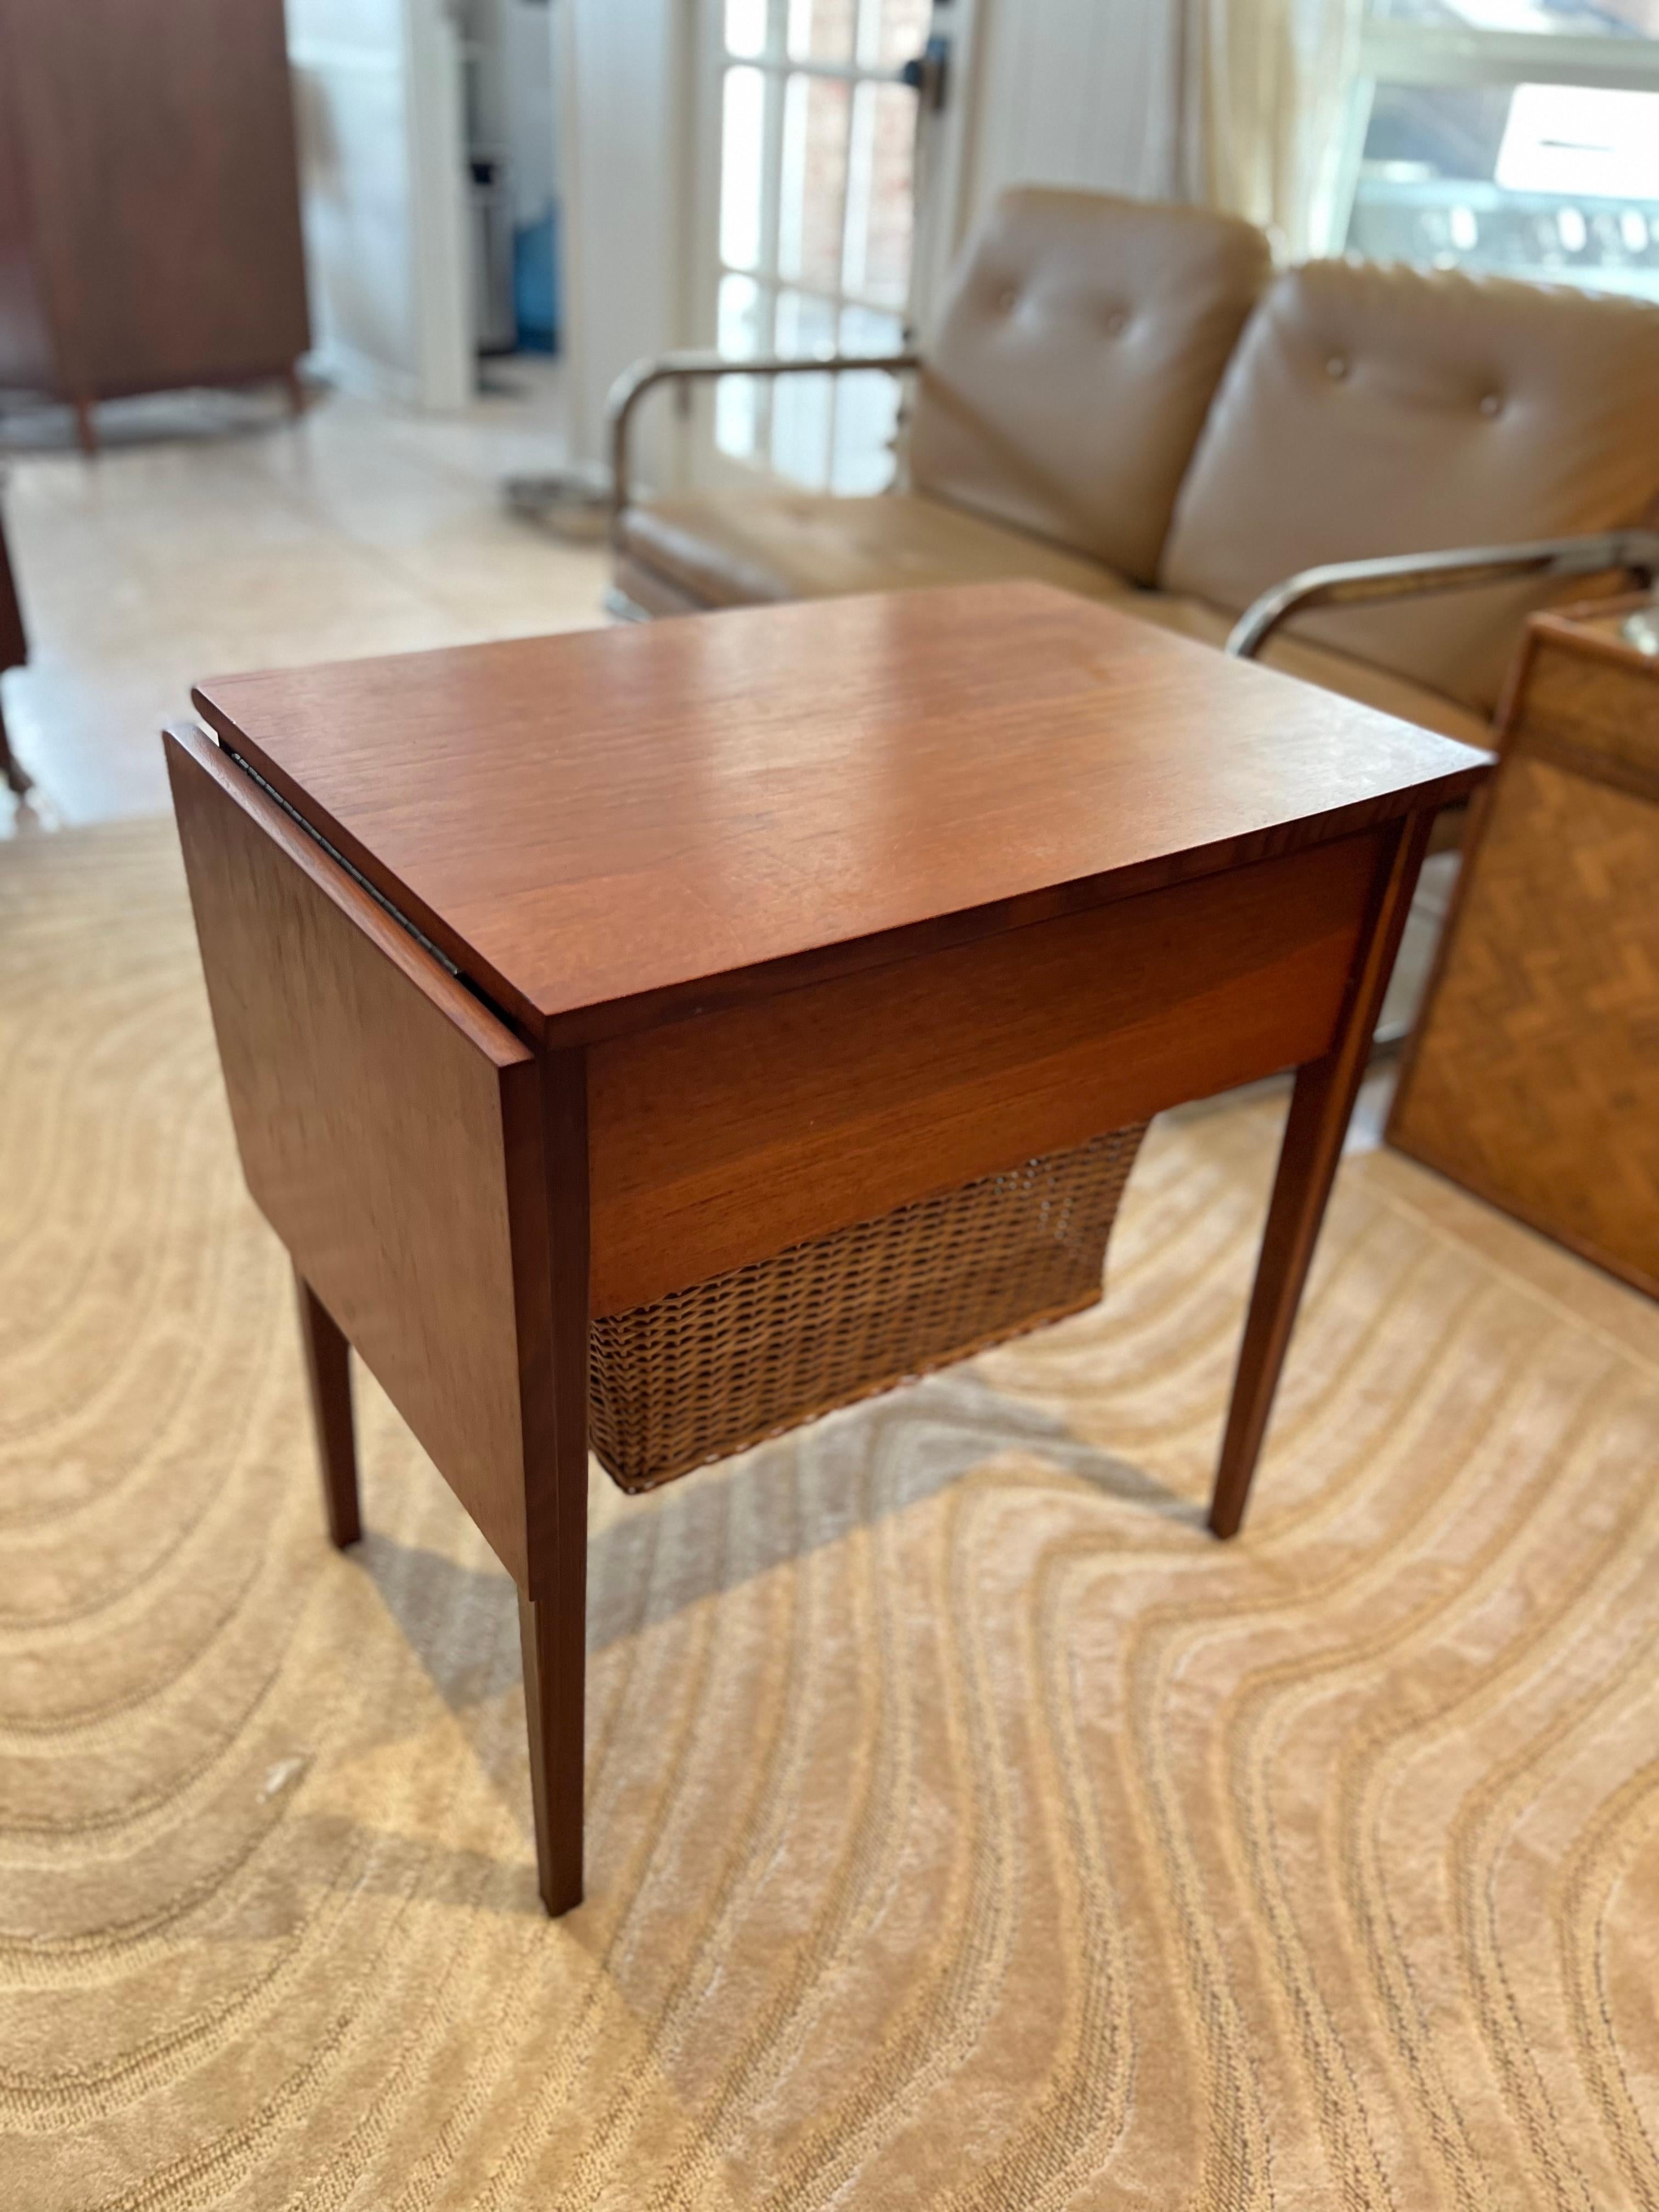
column 389, row 1128
column 718, row 1139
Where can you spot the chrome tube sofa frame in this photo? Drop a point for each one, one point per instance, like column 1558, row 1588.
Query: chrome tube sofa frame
column 1343, row 583
column 687, row 369
column 1417, row 575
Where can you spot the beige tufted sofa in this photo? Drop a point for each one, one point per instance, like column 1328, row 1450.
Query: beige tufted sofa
column 1122, row 398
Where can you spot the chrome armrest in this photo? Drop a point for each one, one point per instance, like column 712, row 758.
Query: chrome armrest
column 1413, row 575
column 632, row 385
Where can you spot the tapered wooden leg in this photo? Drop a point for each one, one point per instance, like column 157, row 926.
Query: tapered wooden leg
column 553, row 1624
column 86, row 428
column 297, row 390
column 1318, row 1121
column 328, row 1371
column 555, row 1655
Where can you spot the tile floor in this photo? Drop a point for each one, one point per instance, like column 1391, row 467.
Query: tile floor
column 215, row 533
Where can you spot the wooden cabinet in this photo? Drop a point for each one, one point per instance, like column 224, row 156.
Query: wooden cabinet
column 1533, row 1080
column 149, row 207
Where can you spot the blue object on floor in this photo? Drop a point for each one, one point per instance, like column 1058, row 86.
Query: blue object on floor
column 536, row 283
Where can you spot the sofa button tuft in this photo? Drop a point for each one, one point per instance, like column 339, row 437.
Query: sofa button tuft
column 1337, row 366
column 1491, row 403
column 1008, row 299
column 1117, row 322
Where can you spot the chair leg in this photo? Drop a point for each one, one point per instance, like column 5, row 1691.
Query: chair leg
column 328, row 1372
column 11, row 768
column 86, row 428
column 553, row 1641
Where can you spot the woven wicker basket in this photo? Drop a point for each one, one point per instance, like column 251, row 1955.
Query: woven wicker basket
column 709, row 1370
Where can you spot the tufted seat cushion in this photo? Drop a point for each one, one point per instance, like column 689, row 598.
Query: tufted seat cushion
column 1373, row 410
column 745, row 547
column 1073, row 363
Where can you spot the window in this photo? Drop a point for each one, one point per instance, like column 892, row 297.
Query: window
column 817, row 141
column 1517, row 136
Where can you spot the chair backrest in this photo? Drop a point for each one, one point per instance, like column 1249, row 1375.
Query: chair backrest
column 1078, row 353
column 1374, row 409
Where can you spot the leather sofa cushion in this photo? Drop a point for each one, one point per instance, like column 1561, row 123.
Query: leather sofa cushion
column 1071, row 370
column 1374, row 409
column 742, row 549
column 1360, row 680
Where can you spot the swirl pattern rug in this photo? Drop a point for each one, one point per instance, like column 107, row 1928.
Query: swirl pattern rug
column 966, row 1829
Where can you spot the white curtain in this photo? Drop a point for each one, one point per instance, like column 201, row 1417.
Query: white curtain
column 1264, row 90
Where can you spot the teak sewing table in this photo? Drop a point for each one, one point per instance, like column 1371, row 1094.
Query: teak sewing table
column 553, row 976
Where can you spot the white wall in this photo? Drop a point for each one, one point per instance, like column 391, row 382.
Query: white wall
column 532, row 118
column 625, row 85
column 377, row 92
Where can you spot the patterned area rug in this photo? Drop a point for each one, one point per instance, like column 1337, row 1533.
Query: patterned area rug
column 966, row 1829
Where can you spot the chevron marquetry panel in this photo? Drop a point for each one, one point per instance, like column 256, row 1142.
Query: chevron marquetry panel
column 1535, row 1081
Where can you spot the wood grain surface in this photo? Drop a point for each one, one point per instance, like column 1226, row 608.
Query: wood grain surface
column 718, row 1139
column 390, row 1129
column 618, row 827
column 151, row 149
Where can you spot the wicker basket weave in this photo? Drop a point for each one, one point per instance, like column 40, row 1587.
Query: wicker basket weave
column 709, row 1370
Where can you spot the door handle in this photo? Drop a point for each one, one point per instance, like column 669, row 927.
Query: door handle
column 929, row 73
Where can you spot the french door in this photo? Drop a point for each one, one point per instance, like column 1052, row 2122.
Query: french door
column 814, row 226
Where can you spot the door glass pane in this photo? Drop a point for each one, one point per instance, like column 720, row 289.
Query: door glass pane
column 1557, row 183
column 745, row 27
column 801, row 405
column 821, row 30
column 867, row 406
column 742, row 145
column 740, row 337
column 879, row 205
column 893, row 32
column 812, row 184
column 815, row 228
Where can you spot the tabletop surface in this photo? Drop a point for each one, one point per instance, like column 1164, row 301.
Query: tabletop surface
column 610, row 826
